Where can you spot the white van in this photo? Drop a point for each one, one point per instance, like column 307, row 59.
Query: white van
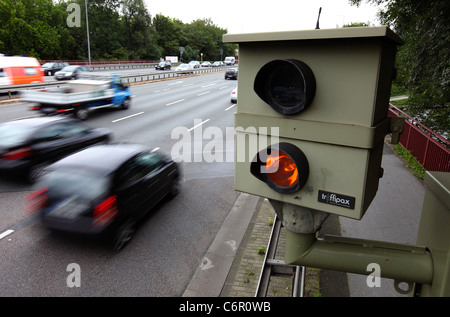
column 229, row 60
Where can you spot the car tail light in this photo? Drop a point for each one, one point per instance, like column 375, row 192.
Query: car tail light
column 17, row 154
column 36, row 201
column 105, row 211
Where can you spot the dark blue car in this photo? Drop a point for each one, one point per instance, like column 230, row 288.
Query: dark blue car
column 104, row 190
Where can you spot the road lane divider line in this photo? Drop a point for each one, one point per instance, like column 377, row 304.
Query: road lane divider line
column 127, row 117
column 6, row 233
column 172, row 103
column 208, row 85
column 176, row 83
column 230, row 107
column 197, row 125
column 203, row 93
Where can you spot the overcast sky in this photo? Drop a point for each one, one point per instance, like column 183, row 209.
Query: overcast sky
column 244, row 16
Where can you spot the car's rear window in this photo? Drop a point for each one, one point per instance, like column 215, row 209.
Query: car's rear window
column 67, row 182
column 11, row 134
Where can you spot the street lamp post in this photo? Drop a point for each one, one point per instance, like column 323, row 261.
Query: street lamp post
column 87, row 30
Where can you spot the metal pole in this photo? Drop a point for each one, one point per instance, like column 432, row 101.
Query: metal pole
column 87, row 29
column 406, row 263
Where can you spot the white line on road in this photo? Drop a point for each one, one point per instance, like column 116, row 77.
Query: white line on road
column 172, row 103
column 208, row 85
column 178, row 82
column 230, row 107
column 203, row 93
column 127, row 117
column 6, row 233
column 197, row 125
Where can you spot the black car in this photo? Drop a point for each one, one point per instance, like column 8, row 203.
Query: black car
column 164, row 65
column 104, row 190
column 28, row 145
column 51, row 68
column 231, row 73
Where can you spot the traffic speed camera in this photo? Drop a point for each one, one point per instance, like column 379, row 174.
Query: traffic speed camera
column 312, row 115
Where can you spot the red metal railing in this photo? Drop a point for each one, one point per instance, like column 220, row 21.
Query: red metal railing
column 102, row 62
column 430, row 149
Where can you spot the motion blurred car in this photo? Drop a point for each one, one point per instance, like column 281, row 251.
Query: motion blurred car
column 184, row 68
column 217, row 64
column 28, row 145
column 231, row 73
column 164, row 65
column 104, row 190
column 195, row 64
column 71, row 72
column 51, row 68
column 234, row 95
column 206, row 64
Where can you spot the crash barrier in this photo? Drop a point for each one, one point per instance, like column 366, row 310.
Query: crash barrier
column 10, row 90
column 430, row 149
column 163, row 75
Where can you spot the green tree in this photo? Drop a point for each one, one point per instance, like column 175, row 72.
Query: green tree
column 27, row 27
column 139, row 34
column 204, row 36
column 168, row 33
column 423, row 61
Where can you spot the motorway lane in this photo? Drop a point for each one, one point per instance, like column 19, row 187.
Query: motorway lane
column 168, row 246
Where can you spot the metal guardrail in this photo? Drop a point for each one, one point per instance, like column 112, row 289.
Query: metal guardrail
column 16, row 88
column 155, row 75
column 122, row 66
column 430, row 149
column 171, row 74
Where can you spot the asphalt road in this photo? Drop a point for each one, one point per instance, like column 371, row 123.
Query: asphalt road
column 186, row 118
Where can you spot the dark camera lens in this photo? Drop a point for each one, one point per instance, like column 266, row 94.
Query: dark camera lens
column 288, row 86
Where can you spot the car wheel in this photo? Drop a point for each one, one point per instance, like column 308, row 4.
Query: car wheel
column 35, row 172
column 81, row 113
column 126, row 104
column 174, row 188
column 124, row 234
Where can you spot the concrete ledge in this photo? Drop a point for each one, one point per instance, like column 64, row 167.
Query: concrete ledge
column 212, row 272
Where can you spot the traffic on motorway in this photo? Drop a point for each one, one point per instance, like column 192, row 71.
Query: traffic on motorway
column 119, row 188
column 133, row 182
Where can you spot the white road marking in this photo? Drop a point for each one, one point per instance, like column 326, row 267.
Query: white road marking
column 197, row 125
column 127, row 117
column 230, row 107
column 203, row 93
column 6, row 233
column 178, row 82
column 172, row 103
